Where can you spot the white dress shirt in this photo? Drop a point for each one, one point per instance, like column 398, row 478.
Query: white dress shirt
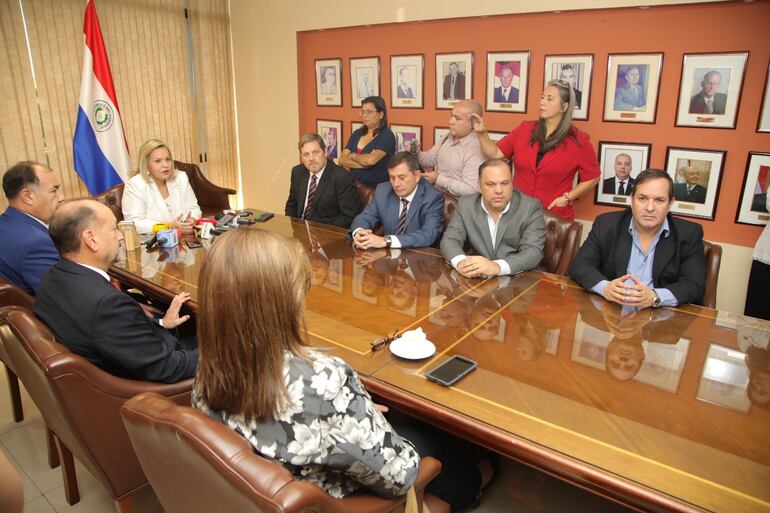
column 144, row 205
column 505, row 269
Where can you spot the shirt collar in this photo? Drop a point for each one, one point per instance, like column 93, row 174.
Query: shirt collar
column 318, row 174
column 96, row 270
column 461, row 140
column 411, row 196
column 33, row 217
column 484, row 208
column 663, row 230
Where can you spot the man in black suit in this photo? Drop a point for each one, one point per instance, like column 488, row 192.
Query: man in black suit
column 642, row 256
column 454, row 83
column 622, row 183
column 567, row 73
column 321, row 191
column 93, row 318
column 691, row 191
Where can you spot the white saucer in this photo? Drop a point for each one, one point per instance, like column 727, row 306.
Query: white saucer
column 412, row 351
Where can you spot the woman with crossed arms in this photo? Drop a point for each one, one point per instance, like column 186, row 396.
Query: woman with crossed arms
column 548, row 153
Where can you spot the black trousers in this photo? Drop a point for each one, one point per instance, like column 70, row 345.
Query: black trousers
column 757, row 293
column 459, row 482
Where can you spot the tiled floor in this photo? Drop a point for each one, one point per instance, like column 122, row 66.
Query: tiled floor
column 517, row 489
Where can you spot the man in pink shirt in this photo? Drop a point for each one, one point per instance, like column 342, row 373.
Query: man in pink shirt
column 456, row 158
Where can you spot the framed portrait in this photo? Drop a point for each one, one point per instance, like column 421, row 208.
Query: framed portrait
column 577, row 70
column 366, row 284
column 633, row 84
column 331, row 133
column 496, row 136
column 439, row 132
column 328, row 82
column 405, row 134
column 753, row 206
column 364, row 79
column 663, row 364
column 406, row 81
column 589, row 346
column 725, row 379
column 620, row 163
column 710, row 90
column 763, row 125
column 507, row 76
column 696, row 175
column 454, row 78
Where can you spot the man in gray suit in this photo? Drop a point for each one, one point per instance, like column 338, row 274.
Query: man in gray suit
column 505, row 227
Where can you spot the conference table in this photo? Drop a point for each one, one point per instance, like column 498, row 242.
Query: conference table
column 660, row 410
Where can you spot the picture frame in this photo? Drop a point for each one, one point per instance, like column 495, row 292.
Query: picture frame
column 751, row 209
column 360, row 289
column 663, row 364
column 725, row 379
column 633, row 87
column 439, row 132
column 407, row 81
column 406, row 133
column 454, row 78
column 498, row 66
column 720, row 73
column 328, row 82
column 331, row 132
column 763, row 124
column 696, row 174
column 364, row 78
column 620, row 159
column 578, row 71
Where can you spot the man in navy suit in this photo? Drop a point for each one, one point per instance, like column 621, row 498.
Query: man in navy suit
column 33, row 193
column 506, row 93
column 410, row 210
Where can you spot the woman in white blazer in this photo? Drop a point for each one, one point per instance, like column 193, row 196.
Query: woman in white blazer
column 158, row 193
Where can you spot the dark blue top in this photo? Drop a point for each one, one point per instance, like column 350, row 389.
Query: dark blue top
column 26, row 251
column 378, row 173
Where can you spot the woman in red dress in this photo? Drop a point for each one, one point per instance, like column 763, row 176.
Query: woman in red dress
column 547, row 153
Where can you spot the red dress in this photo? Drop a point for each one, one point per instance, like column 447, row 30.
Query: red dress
column 554, row 176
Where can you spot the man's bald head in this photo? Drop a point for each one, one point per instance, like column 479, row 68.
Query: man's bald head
column 69, row 221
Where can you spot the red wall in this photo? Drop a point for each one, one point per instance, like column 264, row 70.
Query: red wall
column 673, row 30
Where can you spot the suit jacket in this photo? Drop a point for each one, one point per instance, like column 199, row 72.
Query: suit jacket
column 696, row 195
column 679, row 263
column 336, row 199
column 424, row 219
column 520, row 232
column 698, row 103
column 513, row 95
column 625, row 99
column 404, row 92
column 108, row 328
column 578, row 98
column 459, row 86
column 144, row 205
column 609, row 185
column 26, row 252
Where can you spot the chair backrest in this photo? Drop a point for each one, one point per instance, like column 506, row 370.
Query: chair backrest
column 713, row 254
column 450, row 205
column 79, row 402
column 181, row 449
column 113, row 198
column 562, row 240
column 211, row 197
column 365, row 192
column 11, row 295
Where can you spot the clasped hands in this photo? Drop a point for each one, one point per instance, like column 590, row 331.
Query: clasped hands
column 631, row 294
column 366, row 239
column 476, row 266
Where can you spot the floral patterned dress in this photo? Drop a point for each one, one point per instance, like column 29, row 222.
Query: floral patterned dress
column 330, row 434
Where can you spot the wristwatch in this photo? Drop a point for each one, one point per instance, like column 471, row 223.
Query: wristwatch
column 657, row 301
column 388, row 241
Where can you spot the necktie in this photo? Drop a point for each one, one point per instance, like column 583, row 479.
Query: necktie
column 452, row 89
column 710, row 107
column 310, row 194
column 401, row 226
column 622, row 188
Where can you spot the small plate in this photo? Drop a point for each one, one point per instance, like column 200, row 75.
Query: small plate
column 412, row 351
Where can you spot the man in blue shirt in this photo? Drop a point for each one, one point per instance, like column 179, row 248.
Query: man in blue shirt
column 643, row 256
column 26, row 253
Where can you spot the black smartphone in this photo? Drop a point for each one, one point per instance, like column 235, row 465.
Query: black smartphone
column 452, row 370
column 263, row 217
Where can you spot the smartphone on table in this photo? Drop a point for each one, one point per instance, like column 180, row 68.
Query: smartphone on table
column 452, row 370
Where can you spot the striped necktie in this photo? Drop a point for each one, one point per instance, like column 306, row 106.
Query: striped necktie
column 310, row 194
column 401, row 226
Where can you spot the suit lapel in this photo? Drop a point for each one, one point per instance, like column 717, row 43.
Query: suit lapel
column 482, row 226
column 322, row 183
column 664, row 251
column 414, row 206
column 505, row 219
column 302, row 191
column 623, row 246
column 548, row 157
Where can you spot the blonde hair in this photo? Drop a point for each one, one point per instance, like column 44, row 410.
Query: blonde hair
column 252, row 299
column 145, row 149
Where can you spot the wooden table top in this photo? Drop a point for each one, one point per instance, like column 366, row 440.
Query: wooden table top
column 650, row 407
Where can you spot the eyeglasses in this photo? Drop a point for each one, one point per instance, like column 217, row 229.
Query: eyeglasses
column 382, row 342
column 367, row 112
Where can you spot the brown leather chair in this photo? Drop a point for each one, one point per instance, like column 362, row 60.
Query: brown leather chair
column 196, row 464
column 211, row 198
column 562, row 241
column 450, row 205
column 80, row 404
column 11, row 295
column 713, row 254
column 365, row 192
